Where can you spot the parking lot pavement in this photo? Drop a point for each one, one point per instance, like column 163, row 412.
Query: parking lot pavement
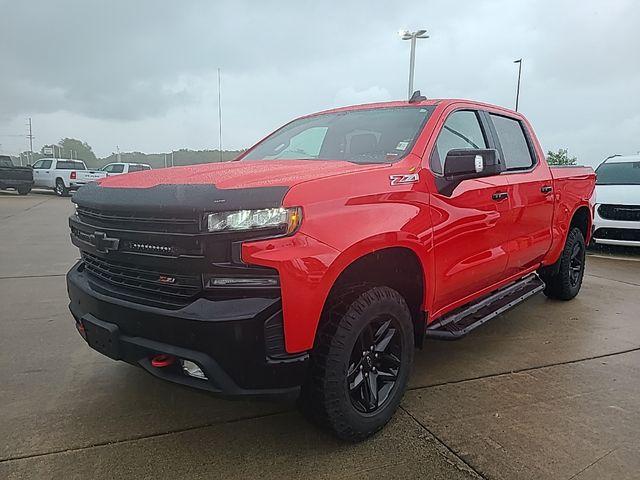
column 548, row 390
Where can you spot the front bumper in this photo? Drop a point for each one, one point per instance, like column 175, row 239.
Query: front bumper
column 615, row 232
column 232, row 341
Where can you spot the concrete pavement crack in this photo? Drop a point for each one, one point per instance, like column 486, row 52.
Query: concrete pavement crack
column 592, row 464
column 527, row 369
column 25, row 210
column 613, row 279
column 460, row 463
column 135, row 438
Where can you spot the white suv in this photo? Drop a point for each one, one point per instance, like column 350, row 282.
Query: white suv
column 616, row 219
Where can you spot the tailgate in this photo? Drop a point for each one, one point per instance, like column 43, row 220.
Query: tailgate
column 90, row 175
column 16, row 173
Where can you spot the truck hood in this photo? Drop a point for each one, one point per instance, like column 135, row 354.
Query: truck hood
column 618, row 194
column 240, row 174
column 185, row 191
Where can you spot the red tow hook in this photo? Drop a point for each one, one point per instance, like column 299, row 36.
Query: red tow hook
column 81, row 329
column 162, row 360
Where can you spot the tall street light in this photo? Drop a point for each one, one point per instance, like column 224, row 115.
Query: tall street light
column 413, row 36
column 519, row 62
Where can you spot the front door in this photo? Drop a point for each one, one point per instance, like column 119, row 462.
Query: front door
column 470, row 226
column 42, row 173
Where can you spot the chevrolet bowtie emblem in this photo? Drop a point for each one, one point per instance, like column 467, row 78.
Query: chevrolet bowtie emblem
column 105, row 244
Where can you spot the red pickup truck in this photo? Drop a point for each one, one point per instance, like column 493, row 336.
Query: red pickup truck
column 323, row 256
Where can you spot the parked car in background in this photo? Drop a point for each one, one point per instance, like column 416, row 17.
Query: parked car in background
column 120, row 168
column 617, row 213
column 63, row 175
column 327, row 252
column 12, row 177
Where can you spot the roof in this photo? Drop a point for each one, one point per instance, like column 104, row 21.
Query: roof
column 404, row 103
column 623, row 159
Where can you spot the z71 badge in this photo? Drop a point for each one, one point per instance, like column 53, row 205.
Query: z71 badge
column 404, row 179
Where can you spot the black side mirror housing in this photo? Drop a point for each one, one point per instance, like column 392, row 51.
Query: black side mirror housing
column 464, row 164
column 472, row 163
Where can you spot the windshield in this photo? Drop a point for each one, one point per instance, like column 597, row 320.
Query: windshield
column 379, row 135
column 623, row 173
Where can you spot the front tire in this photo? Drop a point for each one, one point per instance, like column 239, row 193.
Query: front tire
column 566, row 282
column 360, row 364
column 23, row 189
column 60, row 189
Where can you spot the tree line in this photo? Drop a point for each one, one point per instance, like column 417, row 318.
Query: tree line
column 77, row 149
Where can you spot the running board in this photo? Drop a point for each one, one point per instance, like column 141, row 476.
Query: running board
column 461, row 321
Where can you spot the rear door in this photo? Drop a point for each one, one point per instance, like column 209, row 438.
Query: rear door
column 469, row 225
column 530, row 192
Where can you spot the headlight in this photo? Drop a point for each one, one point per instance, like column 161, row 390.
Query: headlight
column 285, row 219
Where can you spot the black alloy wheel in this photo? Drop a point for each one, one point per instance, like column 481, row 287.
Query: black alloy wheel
column 576, row 264
column 374, row 365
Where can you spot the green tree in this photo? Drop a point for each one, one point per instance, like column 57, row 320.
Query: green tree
column 73, row 148
column 561, row 157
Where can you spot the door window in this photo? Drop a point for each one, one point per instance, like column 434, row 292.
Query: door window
column 42, row 165
column 462, row 130
column 515, row 148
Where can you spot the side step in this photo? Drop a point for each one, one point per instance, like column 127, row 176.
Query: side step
column 461, row 321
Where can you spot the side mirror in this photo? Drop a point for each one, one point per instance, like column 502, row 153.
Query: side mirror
column 464, row 164
column 29, row 165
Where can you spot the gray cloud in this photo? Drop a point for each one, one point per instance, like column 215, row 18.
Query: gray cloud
column 143, row 74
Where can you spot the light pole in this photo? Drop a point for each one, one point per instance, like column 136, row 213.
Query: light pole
column 413, row 36
column 519, row 62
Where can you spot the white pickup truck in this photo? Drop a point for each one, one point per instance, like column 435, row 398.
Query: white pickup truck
column 120, row 168
column 63, row 175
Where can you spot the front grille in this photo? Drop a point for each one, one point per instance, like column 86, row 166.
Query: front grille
column 625, row 213
column 138, row 221
column 626, row 234
column 142, row 279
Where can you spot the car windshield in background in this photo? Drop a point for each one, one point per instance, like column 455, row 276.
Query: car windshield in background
column 67, row 165
column 623, row 173
column 380, row 135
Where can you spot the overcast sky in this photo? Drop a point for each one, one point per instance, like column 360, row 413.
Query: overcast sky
column 142, row 74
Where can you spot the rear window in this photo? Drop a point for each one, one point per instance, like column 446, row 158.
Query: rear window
column 515, row 148
column 70, row 165
column 623, row 173
column 5, row 162
column 138, row 168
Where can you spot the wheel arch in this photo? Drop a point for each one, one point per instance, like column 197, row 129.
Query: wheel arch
column 581, row 219
column 399, row 267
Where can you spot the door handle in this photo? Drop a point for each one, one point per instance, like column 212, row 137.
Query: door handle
column 546, row 189
column 500, row 196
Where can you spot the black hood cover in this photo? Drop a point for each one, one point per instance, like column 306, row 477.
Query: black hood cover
column 178, row 199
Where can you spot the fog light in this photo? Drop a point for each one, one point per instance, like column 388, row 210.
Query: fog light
column 193, row 370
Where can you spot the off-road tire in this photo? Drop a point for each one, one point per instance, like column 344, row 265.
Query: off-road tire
column 566, row 282
column 326, row 397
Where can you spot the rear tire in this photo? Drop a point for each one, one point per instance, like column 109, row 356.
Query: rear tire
column 566, row 283
column 23, row 189
column 60, row 189
column 360, row 364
